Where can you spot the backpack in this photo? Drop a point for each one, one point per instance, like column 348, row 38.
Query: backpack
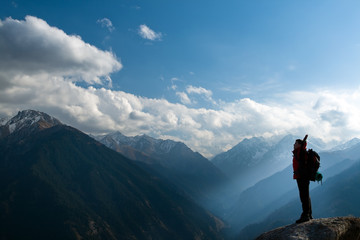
column 313, row 164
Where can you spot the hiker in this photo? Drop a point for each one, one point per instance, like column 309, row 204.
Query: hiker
column 302, row 178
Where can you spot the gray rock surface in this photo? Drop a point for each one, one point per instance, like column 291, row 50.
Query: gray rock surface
column 344, row 228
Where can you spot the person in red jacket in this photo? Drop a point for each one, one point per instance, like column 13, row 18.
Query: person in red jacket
column 302, row 178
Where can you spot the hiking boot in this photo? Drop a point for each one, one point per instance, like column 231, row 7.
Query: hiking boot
column 303, row 219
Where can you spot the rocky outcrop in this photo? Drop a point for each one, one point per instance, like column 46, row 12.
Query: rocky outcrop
column 337, row 228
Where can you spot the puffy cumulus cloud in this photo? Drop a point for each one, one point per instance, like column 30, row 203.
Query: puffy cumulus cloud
column 31, row 47
column 330, row 115
column 38, row 82
column 147, row 33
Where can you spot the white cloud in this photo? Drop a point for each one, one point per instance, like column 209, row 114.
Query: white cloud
column 184, row 98
column 32, row 47
column 201, row 91
column 105, row 22
column 147, row 33
column 35, row 73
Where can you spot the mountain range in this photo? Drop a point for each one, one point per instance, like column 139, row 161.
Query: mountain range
column 174, row 161
column 58, row 183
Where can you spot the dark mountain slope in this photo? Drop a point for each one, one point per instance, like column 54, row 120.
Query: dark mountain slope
column 175, row 162
column 61, row 184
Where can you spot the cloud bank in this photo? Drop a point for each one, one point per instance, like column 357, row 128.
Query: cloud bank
column 40, row 66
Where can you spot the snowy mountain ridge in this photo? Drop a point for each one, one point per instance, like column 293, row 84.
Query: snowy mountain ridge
column 143, row 142
column 346, row 145
column 246, row 153
column 27, row 120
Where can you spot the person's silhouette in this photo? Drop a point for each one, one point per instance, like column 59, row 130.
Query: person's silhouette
column 302, row 178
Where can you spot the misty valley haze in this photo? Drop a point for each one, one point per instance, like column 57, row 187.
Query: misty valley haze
column 57, row 181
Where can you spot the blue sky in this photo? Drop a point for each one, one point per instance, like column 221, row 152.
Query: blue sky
column 208, row 73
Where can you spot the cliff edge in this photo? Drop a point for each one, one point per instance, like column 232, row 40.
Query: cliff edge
column 339, row 228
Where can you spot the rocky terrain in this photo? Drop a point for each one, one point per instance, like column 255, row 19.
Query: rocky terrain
column 337, row 228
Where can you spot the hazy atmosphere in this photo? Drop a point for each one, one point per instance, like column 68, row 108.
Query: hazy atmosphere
column 207, row 73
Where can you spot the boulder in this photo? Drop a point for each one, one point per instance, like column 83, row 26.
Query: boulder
column 344, row 228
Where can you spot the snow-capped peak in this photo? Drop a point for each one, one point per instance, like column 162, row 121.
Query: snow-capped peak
column 28, row 118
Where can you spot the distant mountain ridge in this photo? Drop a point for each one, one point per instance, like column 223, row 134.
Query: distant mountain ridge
column 346, row 145
column 256, row 158
column 247, row 153
column 150, row 148
column 174, row 161
column 144, row 143
column 168, row 153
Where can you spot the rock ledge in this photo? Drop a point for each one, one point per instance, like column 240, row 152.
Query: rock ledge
column 337, row 228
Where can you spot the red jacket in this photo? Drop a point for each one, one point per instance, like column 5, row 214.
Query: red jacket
column 299, row 161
